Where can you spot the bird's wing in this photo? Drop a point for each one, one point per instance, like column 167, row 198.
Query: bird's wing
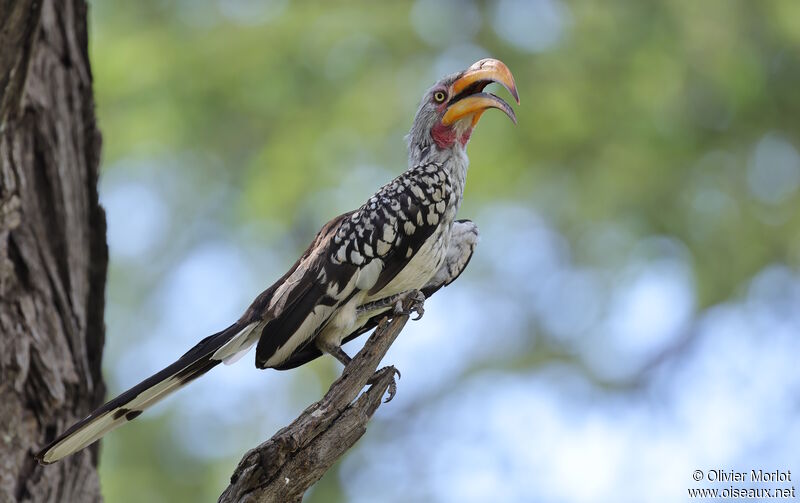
column 304, row 299
column 359, row 251
column 464, row 240
column 410, row 208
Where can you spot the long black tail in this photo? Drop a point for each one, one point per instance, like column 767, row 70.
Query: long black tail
column 127, row 406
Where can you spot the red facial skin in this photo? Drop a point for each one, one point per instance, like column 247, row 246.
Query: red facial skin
column 445, row 136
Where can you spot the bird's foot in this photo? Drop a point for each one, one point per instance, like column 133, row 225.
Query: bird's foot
column 378, row 375
column 409, row 302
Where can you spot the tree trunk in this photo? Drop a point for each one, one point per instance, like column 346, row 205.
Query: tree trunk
column 53, row 253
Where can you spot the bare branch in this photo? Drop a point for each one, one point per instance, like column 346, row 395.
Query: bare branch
column 285, row 466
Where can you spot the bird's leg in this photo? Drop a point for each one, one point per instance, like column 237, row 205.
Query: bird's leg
column 333, row 350
column 338, row 353
column 395, row 302
column 377, row 305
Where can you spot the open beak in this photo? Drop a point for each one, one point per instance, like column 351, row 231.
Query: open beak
column 467, row 93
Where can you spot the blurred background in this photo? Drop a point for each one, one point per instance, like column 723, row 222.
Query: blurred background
column 631, row 314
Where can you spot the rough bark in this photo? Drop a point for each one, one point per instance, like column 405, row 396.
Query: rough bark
column 53, row 253
column 285, row 466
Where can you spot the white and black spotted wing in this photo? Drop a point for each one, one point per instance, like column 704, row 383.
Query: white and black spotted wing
column 363, row 250
column 459, row 253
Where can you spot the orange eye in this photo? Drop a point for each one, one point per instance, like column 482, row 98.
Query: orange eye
column 439, row 96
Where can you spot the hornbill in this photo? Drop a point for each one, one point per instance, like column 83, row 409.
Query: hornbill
column 403, row 241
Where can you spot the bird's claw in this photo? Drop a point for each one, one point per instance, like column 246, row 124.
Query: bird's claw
column 392, row 388
column 416, row 304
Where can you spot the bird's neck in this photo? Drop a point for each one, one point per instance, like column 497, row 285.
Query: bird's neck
column 454, row 160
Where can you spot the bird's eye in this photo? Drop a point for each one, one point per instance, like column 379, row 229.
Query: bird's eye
column 439, row 96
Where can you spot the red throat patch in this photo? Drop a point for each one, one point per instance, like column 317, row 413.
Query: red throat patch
column 445, row 136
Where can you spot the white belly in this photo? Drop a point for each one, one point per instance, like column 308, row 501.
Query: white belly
column 421, row 268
